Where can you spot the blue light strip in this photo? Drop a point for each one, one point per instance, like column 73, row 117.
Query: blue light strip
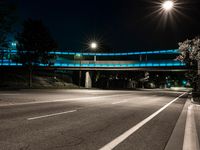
column 133, row 53
column 137, row 65
column 174, row 51
column 10, row 64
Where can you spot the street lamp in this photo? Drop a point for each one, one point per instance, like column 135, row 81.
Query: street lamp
column 168, row 5
column 94, row 46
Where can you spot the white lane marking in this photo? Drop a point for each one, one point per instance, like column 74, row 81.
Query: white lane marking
column 50, row 115
column 191, row 141
column 6, row 94
column 63, row 100
column 129, row 132
column 119, row 102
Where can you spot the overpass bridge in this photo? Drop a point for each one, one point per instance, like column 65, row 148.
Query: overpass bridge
column 158, row 60
column 110, row 61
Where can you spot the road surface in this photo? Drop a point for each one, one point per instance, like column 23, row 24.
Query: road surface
column 88, row 119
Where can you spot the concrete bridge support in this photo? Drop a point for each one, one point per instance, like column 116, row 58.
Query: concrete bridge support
column 88, row 80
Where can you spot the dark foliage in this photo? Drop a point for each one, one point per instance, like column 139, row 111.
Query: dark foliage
column 35, row 43
column 7, row 20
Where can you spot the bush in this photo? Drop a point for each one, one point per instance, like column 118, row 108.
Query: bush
column 196, row 89
column 196, row 96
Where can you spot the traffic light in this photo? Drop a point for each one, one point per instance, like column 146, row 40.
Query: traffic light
column 184, row 82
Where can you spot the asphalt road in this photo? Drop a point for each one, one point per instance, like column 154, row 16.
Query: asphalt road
column 88, row 119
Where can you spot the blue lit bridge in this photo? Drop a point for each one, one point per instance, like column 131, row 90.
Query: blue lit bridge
column 162, row 59
column 158, row 61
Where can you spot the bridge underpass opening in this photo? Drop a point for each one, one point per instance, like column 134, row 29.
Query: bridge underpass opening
column 138, row 79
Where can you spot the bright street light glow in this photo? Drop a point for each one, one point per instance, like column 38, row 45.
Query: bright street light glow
column 93, row 45
column 168, row 5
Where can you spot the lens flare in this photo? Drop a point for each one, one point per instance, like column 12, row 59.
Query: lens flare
column 167, row 13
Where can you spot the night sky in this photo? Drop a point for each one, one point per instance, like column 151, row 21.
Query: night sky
column 120, row 25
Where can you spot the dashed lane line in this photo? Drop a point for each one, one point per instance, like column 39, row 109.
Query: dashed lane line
column 51, row 115
column 119, row 102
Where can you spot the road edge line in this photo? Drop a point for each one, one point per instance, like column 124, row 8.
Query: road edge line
column 176, row 139
column 129, row 132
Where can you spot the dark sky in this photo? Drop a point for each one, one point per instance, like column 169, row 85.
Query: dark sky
column 123, row 25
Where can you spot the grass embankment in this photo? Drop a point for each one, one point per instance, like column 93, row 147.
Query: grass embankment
column 18, row 79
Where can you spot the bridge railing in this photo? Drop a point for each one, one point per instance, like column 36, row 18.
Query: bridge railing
column 97, row 64
column 163, row 63
column 172, row 51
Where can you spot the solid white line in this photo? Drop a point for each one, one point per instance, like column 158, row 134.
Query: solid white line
column 63, row 100
column 119, row 102
column 129, row 132
column 50, row 115
column 191, row 141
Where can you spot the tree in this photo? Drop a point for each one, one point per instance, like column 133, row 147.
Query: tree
column 34, row 45
column 190, row 50
column 7, row 20
column 190, row 54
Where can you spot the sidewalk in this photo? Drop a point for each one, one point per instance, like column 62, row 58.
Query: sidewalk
column 186, row 134
column 197, row 118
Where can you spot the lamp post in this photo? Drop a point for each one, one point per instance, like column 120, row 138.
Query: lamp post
column 79, row 56
column 94, row 46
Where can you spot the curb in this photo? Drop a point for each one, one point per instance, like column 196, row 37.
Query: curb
column 176, row 139
column 193, row 102
column 184, row 135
